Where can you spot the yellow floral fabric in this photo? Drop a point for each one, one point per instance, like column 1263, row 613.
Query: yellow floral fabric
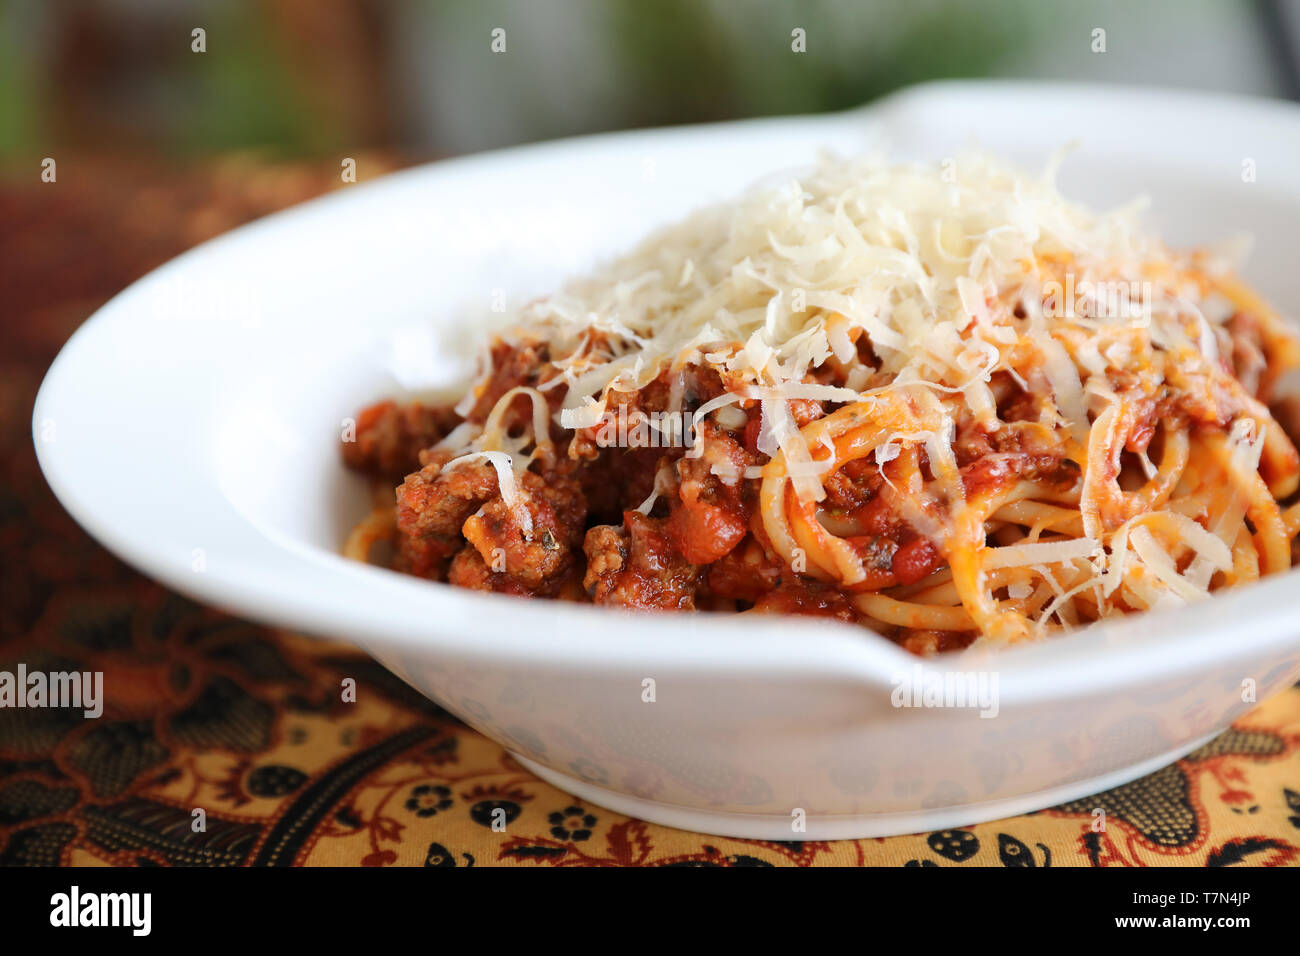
column 209, row 713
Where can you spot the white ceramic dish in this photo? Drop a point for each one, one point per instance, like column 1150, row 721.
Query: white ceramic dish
column 192, row 427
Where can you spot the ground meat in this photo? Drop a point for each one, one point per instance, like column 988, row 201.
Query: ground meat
column 512, row 366
column 389, row 438
column 538, row 554
column 439, row 508
column 620, row 479
column 746, row 573
column 622, row 461
column 710, row 513
column 849, row 486
column 637, row 566
column 928, row 643
column 432, row 505
column 797, row 596
column 1001, row 471
column 1021, row 406
column 424, row 557
column 994, row 459
column 469, row 570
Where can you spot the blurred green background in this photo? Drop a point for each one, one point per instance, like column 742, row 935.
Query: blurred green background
column 301, row 78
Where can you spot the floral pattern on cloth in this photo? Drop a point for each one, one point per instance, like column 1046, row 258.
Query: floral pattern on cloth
column 204, row 711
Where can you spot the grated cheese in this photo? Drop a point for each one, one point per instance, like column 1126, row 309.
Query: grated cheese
column 1042, row 552
column 920, row 262
column 505, row 480
column 946, row 273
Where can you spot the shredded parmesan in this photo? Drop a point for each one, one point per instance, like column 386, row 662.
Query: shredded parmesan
column 506, row 482
column 796, row 273
column 1043, row 552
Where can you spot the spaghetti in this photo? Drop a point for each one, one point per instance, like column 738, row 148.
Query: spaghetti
column 944, row 403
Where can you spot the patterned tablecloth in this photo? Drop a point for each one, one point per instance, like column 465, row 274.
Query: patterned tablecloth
column 207, row 711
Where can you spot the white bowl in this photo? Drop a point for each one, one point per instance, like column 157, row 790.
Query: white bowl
column 192, row 426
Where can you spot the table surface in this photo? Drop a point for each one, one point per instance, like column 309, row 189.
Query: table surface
column 205, row 711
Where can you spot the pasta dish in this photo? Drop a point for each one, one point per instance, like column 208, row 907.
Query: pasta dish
column 939, row 401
